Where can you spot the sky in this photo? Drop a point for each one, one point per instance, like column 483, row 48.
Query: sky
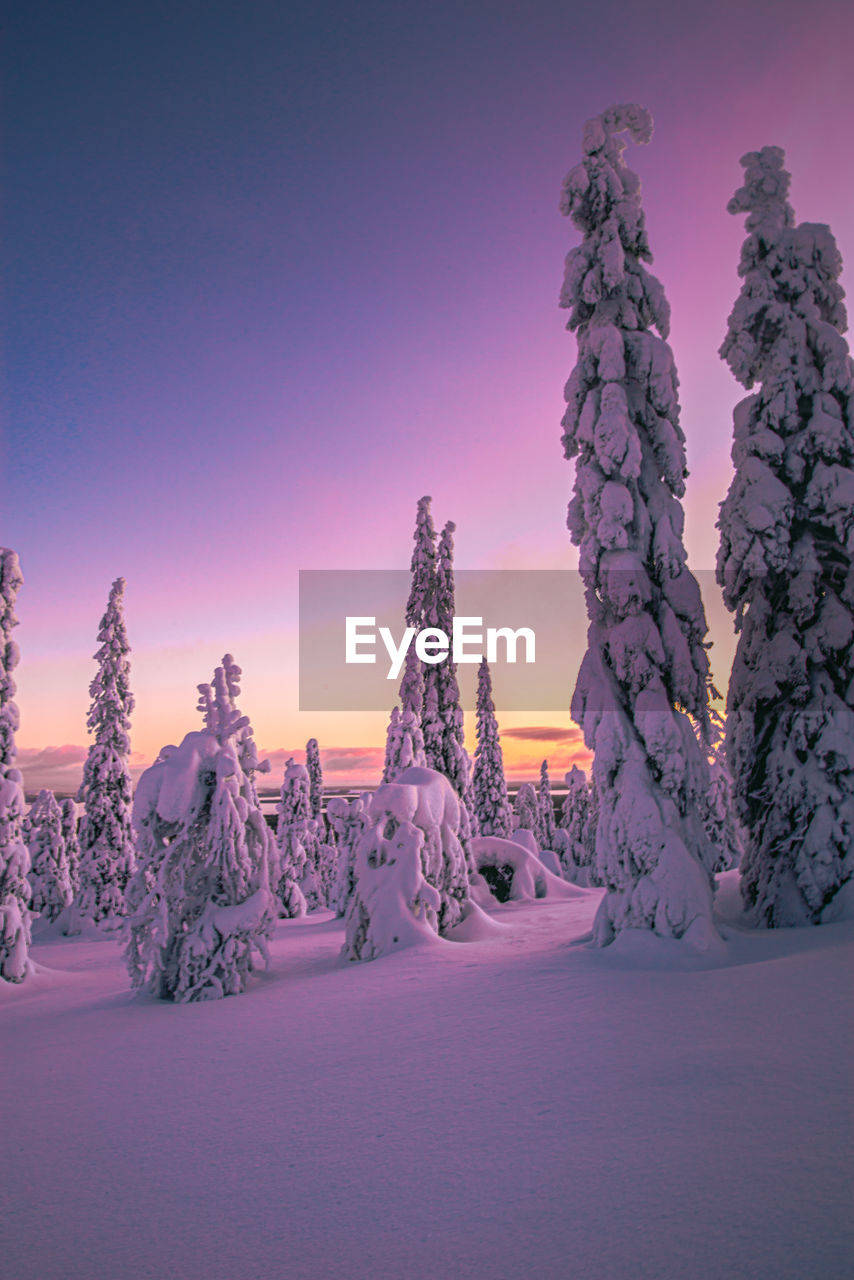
column 272, row 272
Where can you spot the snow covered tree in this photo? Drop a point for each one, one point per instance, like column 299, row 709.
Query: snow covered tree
column 50, row 875
column 347, row 819
column 574, row 836
column 106, row 833
column 68, row 809
column 526, row 810
column 315, row 777
column 644, row 675
column 14, row 858
column 199, row 902
column 444, row 749
column 306, row 865
column 545, row 810
column 490, row 802
column 404, row 744
column 411, row 866
column 785, row 559
column 421, row 605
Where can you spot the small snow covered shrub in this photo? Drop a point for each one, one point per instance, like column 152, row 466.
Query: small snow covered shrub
column 72, row 845
column 200, row 906
column 50, row 875
column 410, row 867
column 14, row 858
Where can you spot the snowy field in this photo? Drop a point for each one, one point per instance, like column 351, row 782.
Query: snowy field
column 518, row 1105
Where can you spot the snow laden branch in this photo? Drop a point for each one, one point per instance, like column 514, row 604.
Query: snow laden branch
column 645, row 674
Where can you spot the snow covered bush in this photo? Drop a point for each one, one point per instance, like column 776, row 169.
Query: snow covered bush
column 411, row 874
column 785, row 559
column 14, row 858
column 645, row 672
column 200, row 907
column 106, row 832
column 490, row 802
column 50, row 875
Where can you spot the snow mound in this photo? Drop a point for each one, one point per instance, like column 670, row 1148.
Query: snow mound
column 514, row 874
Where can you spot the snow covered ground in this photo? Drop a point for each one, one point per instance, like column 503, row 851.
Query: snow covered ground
column 518, row 1105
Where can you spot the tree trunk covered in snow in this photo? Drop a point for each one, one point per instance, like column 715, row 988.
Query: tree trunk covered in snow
column 645, row 673
column 787, row 537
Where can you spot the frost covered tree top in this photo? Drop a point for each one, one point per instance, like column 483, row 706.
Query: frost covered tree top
column 421, row 602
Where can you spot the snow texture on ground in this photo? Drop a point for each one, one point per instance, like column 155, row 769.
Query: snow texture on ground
column 517, row 1105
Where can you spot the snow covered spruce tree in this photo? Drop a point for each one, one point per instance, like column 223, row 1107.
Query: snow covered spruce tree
column 106, row 833
column 200, row 905
column 445, row 750
column 492, row 809
column 404, row 744
column 545, row 810
column 315, row 778
column 645, row 671
column 785, row 559
column 14, row 858
column 305, row 860
column 526, row 810
column 68, row 809
column 50, row 875
column 576, row 849
column 347, row 819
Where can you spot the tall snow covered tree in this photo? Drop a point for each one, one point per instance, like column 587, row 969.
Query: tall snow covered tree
column 200, row 906
column 785, row 559
column 50, row 874
column 545, row 810
column 492, row 808
column 106, row 833
column 645, row 673
column 14, row 858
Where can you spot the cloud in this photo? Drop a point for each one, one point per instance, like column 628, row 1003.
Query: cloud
column 543, row 733
column 60, row 769
column 367, row 761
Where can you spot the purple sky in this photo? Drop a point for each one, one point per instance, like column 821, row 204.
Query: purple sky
column 273, row 271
